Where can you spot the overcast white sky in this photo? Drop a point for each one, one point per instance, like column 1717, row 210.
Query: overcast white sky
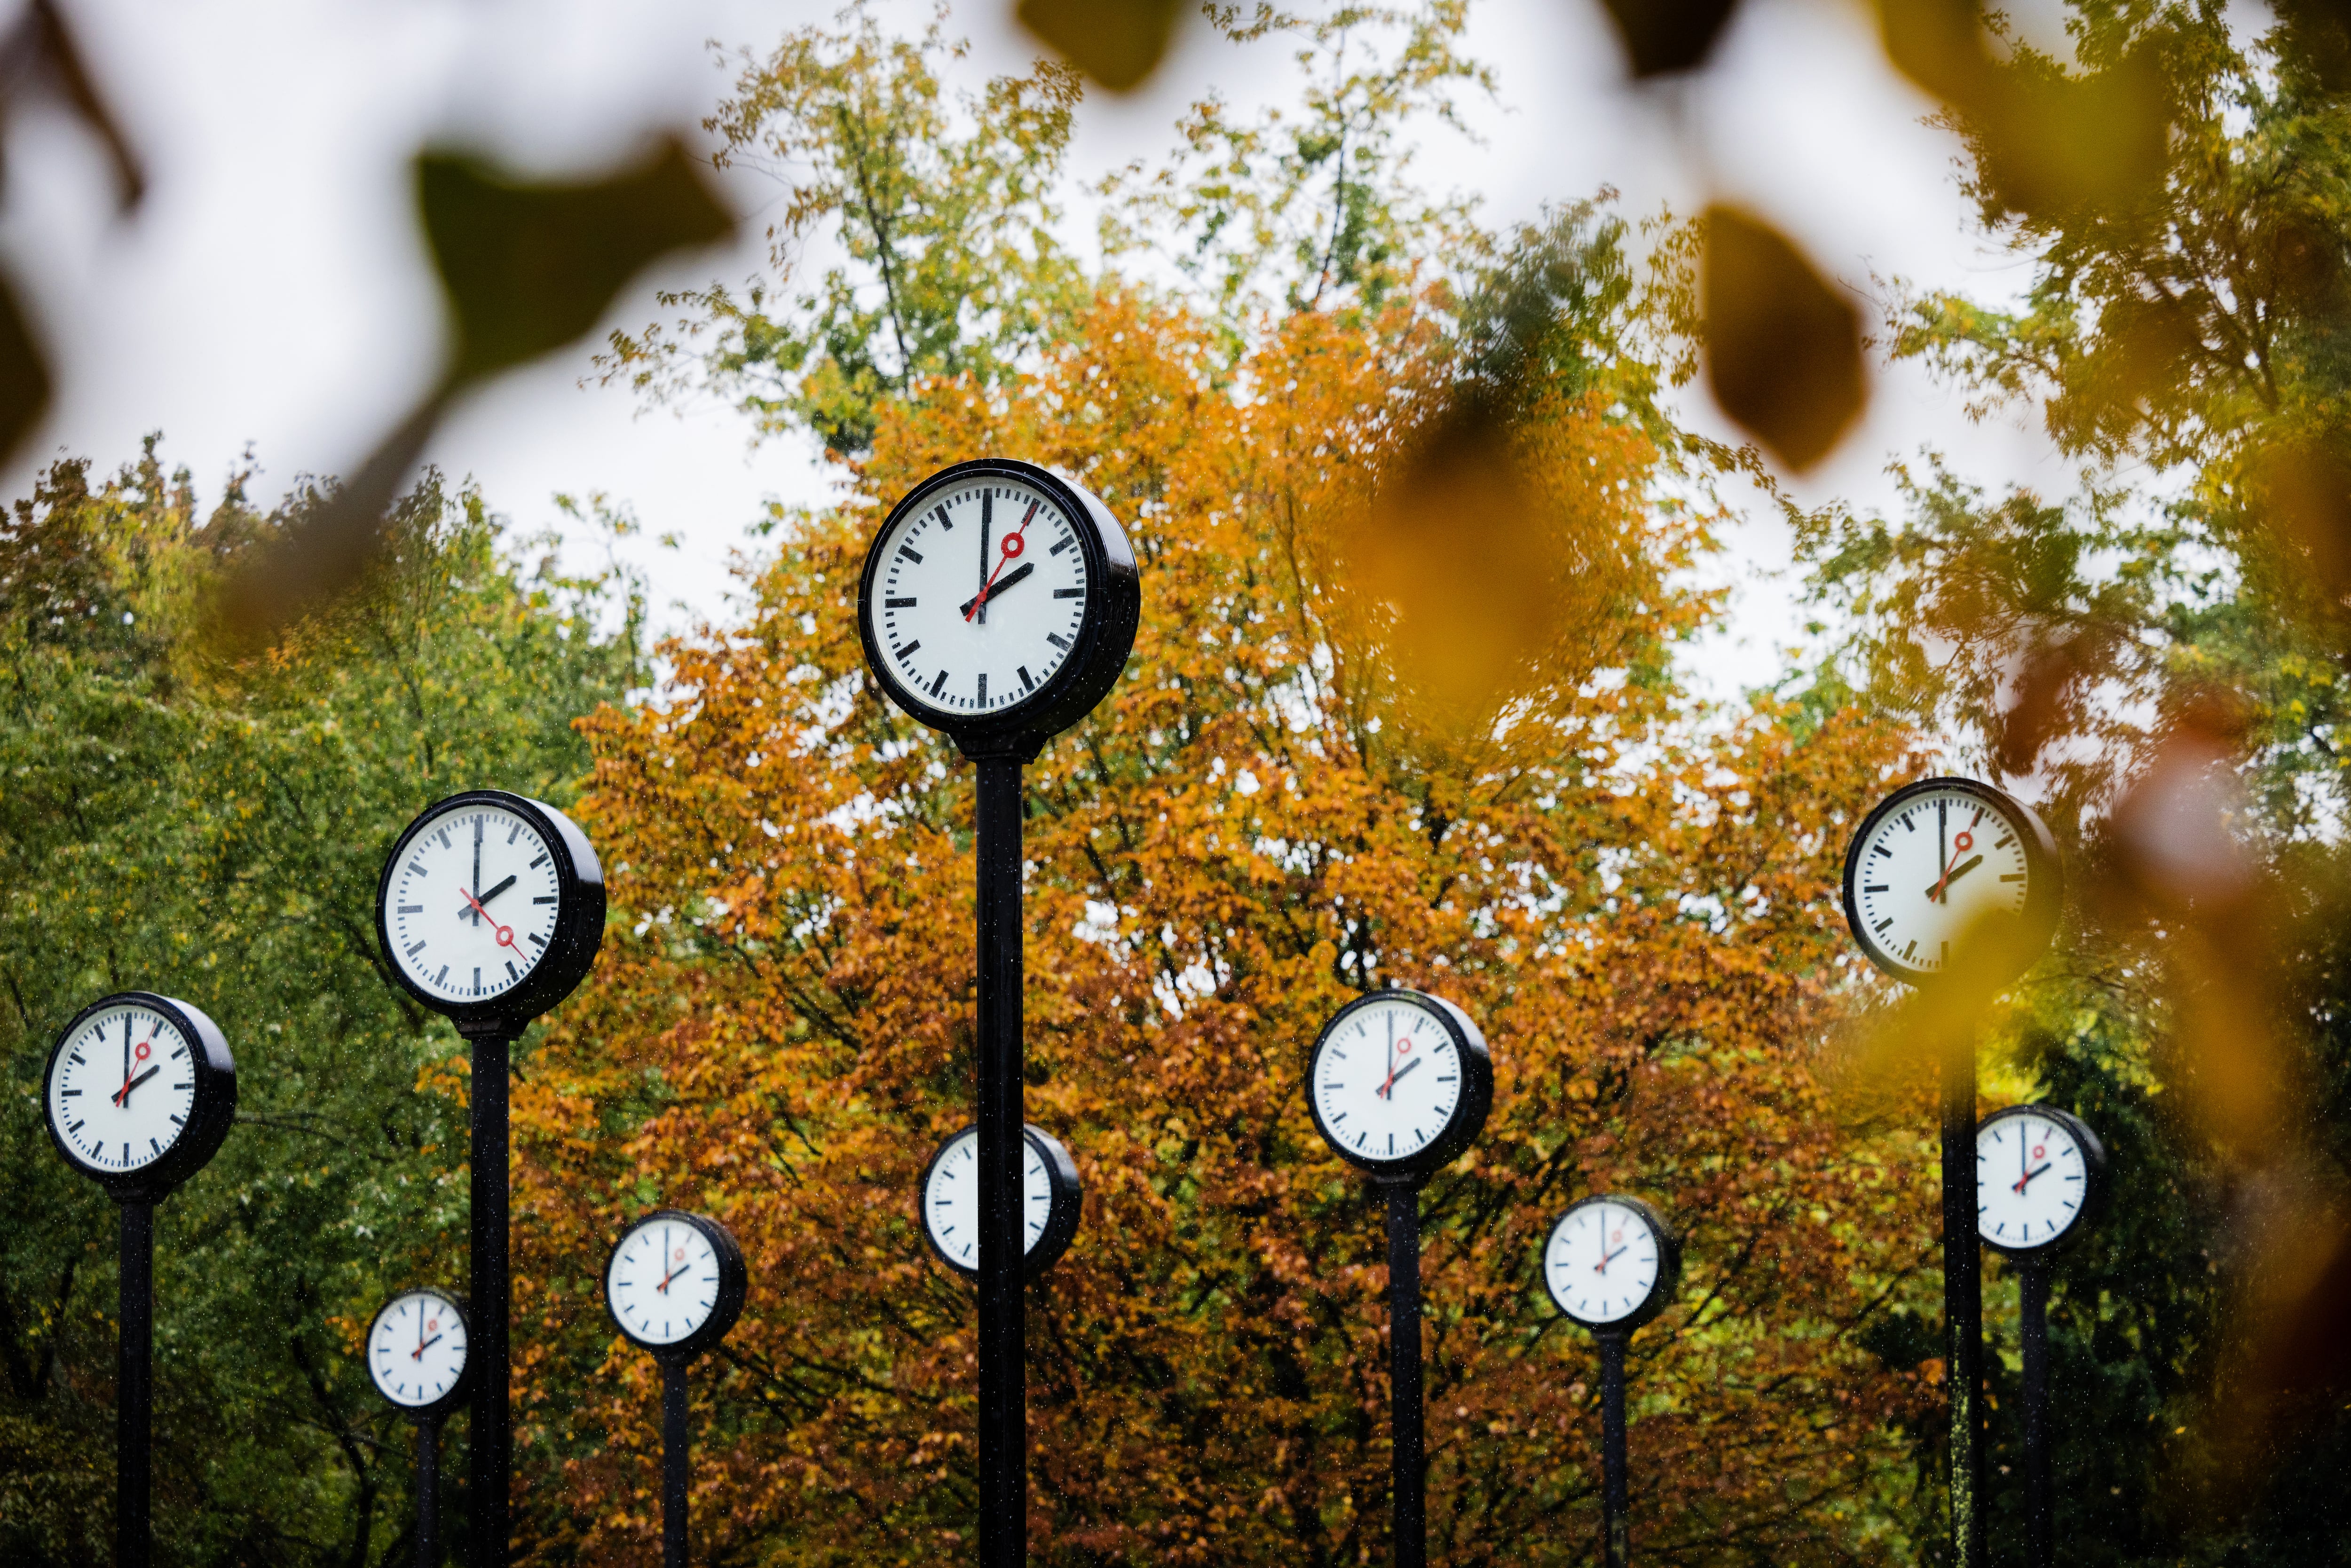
column 273, row 293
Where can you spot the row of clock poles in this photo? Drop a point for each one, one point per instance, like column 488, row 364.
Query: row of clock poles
column 490, row 910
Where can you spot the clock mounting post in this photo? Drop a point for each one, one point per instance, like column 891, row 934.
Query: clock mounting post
column 997, row 605
column 1950, row 876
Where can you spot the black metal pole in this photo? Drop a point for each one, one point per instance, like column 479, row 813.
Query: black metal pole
column 428, row 1492
column 674, row 1457
column 1616, row 1530
column 135, row 1388
column 1403, row 1373
column 1963, row 1301
column 489, row 1448
column 2039, row 1495
column 1003, row 1380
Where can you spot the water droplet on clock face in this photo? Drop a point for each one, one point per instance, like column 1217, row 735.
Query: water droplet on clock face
column 979, row 595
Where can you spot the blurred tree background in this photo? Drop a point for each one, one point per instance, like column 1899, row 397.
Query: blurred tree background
column 1422, row 535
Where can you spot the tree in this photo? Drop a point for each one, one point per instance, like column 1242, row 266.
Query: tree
column 213, row 832
column 1273, row 813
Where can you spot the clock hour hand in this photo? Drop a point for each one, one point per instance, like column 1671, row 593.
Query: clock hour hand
column 1952, row 875
column 418, row 1354
column 122, row 1095
column 2027, row 1176
column 494, row 892
column 1608, row 1259
column 1388, row 1089
column 1001, row 583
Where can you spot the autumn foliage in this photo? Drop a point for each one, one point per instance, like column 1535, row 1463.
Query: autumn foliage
column 1245, row 834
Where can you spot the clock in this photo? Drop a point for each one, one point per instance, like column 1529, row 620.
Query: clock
column 998, row 605
column 1612, row 1263
column 675, row 1283
column 2038, row 1174
column 416, row 1353
column 139, row 1092
column 1939, row 859
column 949, row 1196
column 1399, row 1082
column 491, row 906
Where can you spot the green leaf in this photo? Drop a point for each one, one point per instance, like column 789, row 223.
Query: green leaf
column 529, row 267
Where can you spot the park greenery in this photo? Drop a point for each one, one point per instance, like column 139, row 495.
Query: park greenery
column 1423, row 542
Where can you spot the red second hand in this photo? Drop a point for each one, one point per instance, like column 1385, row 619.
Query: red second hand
column 1013, row 544
column 506, row 932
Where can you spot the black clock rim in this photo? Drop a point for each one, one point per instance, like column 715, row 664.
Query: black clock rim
column 1469, row 1111
column 212, row 1111
column 460, row 1391
column 1061, row 1179
column 2094, row 1174
column 1662, row 1290
column 734, row 1285
column 2044, row 893
column 579, row 913
column 1105, row 635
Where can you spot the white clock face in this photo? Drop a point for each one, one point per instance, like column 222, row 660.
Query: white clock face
column 1387, row 1080
column 473, row 902
column 979, row 597
column 1601, row 1262
column 2031, row 1180
column 417, row 1351
column 664, row 1282
column 123, row 1088
column 951, row 1199
column 1930, row 872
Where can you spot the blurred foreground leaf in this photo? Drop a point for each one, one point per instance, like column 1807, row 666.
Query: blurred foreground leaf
column 1784, row 348
column 527, row 268
column 40, row 50
column 1665, row 36
column 2045, row 140
column 1116, row 42
column 23, row 374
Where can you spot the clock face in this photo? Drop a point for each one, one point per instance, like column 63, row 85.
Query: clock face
column 1386, row 1079
column 122, row 1088
column 472, row 903
column 662, row 1283
column 1602, row 1262
column 416, row 1352
column 976, row 598
column 2032, row 1179
column 1929, row 870
column 951, row 1199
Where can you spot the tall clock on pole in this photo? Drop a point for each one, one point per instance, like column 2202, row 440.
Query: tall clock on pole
column 140, row 1092
column 1939, row 865
column 490, row 911
column 1399, row 1084
column 998, row 605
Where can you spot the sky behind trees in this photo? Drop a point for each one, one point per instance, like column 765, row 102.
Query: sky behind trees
column 271, row 292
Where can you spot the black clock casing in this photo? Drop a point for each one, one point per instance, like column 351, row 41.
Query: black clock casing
column 1114, row 611
column 579, row 914
column 2094, row 1174
column 1061, row 1224
column 210, row 1117
column 733, row 1284
column 1469, row 1111
column 2044, row 885
column 459, row 1391
column 1669, row 1264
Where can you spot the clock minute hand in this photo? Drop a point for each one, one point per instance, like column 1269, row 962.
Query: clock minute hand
column 977, row 600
